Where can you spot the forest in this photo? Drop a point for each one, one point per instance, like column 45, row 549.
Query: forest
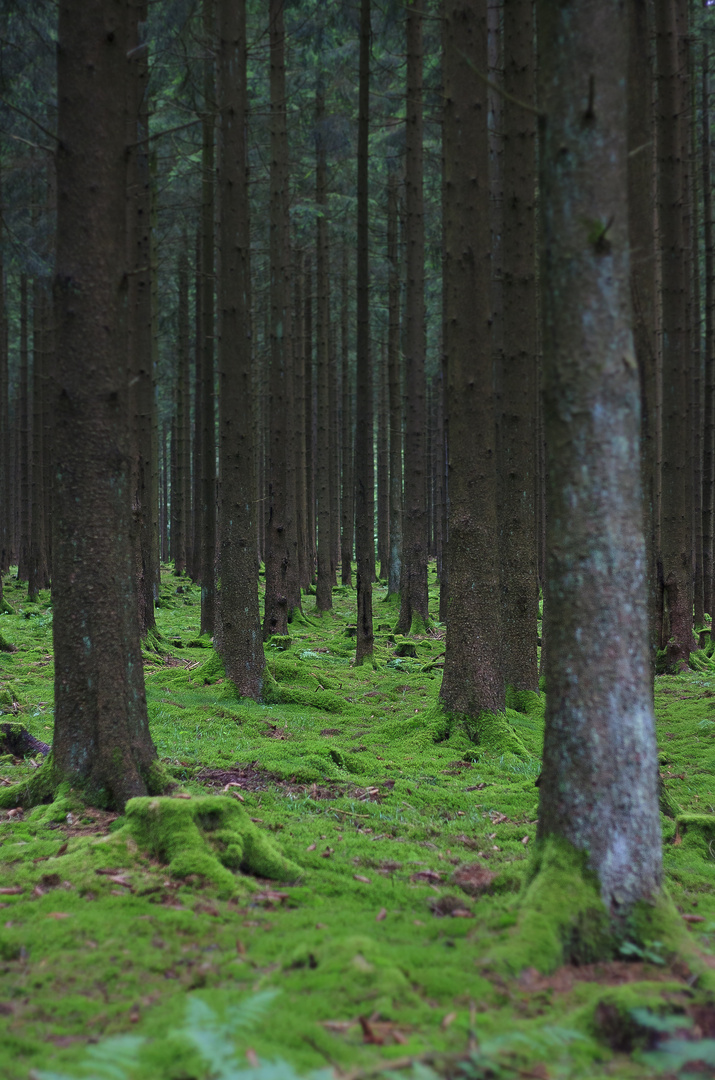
column 357, row 526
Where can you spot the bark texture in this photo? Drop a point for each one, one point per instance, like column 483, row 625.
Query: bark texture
column 102, row 742
column 599, row 787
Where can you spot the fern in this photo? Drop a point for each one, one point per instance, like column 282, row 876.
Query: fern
column 111, row 1059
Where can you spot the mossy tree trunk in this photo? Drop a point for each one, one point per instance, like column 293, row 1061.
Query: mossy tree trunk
column 240, row 642
column 102, row 742
column 414, row 597
column 473, row 677
column 599, row 786
column 364, row 461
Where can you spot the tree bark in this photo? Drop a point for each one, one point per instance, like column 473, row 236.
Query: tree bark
column 383, row 468
column 395, row 388
column 414, row 597
column 598, row 789
column 473, row 681
column 38, row 576
column 347, row 506
column 676, row 478
column 25, row 437
column 709, row 340
column 241, row 646
column 364, row 462
column 309, row 422
column 324, row 596
column 520, row 588
column 101, row 742
column 181, row 478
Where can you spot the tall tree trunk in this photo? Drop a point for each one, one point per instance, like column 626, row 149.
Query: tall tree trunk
column 335, row 448
column 25, row 432
column 709, row 340
column 323, row 597
column 241, row 646
column 383, row 467
column 414, row 606
column 348, row 489
column 676, row 478
column 364, row 461
column 208, row 403
column 473, row 680
column 309, row 421
column 599, row 785
column 101, row 741
column 395, row 388
column 299, row 429
column 181, row 478
column 196, row 440
column 38, row 570
column 641, row 217
column 520, row 589
column 6, row 485
column 280, row 574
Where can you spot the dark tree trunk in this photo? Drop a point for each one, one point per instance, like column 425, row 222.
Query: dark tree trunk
column 395, row 388
column 709, row 340
column 383, row 468
column 364, row 467
column 335, row 449
column 599, row 784
column 181, row 477
column 473, row 680
column 517, row 444
column 676, row 477
column 6, row 485
column 280, row 575
column 309, row 422
column 323, row 597
column 208, row 404
column 240, row 646
column 299, row 430
column 348, row 489
column 197, row 442
column 38, row 569
column 101, row 741
column 25, row 433
column 414, row 606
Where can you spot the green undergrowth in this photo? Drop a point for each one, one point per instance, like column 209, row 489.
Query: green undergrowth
column 359, row 855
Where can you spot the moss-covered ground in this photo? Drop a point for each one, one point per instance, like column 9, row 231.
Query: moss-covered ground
column 412, row 843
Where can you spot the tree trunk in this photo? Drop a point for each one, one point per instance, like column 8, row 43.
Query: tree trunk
column 709, row 340
column 6, row 485
column 414, row 605
column 520, row 588
column 383, row 468
column 348, row 489
column 473, row 681
column 101, row 742
column 323, row 597
column 598, row 789
column 299, row 429
column 38, row 569
column 309, row 422
column 279, row 573
column 241, row 646
column 364, row 462
column 181, row 479
column 25, row 432
column 208, row 404
column 395, row 389
column 676, row 477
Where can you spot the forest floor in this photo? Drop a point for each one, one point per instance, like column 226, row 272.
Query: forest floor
column 414, row 843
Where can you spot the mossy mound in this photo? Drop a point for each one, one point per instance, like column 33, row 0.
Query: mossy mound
column 492, row 731
column 697, row 831
column 211, row 837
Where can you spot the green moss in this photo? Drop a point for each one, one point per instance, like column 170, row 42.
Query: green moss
column 528, row 702
column 279, row 642
column 211, row 837
column 491, row 731
column 697, row 831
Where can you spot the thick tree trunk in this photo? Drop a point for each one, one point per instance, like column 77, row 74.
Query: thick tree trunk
column 473, row 680
column 324, row 596
column 599, row 784
column 309, row 422
column 280, row 575
column 299, row 430
column 38, row 569
column 676, row 477
column 25, row 438
column 181, row 478
column 517, row 444
column 101, row 742
column 6, row 486
column 383, row 468
column 395, row 388
column 414, row 605
column 364, row 462
column 241, row 646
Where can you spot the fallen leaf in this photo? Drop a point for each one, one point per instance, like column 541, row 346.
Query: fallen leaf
column 359, row 877
column 207, row 909
column 58, row 915
column 62, row 850
column 327, row 853
column 473, row 879
column 240, row 948
column 109, row 872
column 694, row 918
column 382, row 914
column 525, row 839
column 429, row 876
column 311, row 847
column 252, row 1057
column 449, row 1019
column 11, row 890
column 182, row 795
column 340, row 1026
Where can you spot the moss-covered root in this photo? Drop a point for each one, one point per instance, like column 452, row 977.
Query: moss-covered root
column 561, row 919
column 491, row 731
column 7, row 646
column 526, row 702
column 210, row 836
column 40, row 788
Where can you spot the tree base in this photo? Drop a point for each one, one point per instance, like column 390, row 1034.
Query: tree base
column 47, row 784
column 490, row 730
column 211, row 837
column 561, row 919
